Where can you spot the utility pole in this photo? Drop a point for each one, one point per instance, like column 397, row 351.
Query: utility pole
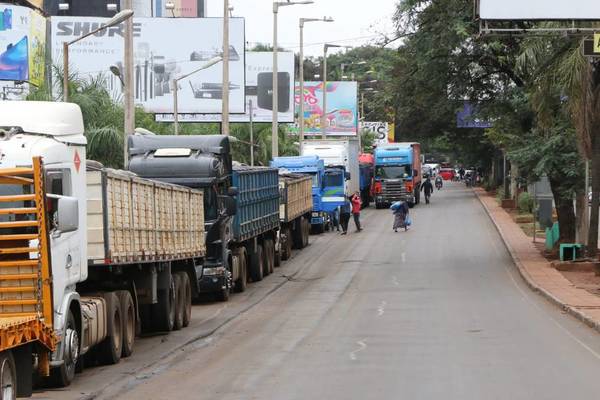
column 225, row 96
column 129, row 111
column 251, row 134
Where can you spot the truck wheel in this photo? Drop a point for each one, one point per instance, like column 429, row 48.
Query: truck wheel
column 164, row 311
column 305, row 232
column 187, row 298
column 256, row 264
column 63, row 376
column 286, row 243
column 297, row 234
column 8, row 376
column 178, row 322
column 269, row 256
column 128, row 312
column 242, row 282
column 224, row 294
column 111, row 348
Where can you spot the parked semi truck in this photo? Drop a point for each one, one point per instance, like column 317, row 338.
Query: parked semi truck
column 397, row 174
column 315, row 168
column 89, row 255
column 295, row 210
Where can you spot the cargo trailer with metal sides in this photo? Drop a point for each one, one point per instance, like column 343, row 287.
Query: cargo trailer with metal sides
column 256, row 223
column 89, row 255
column 295, row 209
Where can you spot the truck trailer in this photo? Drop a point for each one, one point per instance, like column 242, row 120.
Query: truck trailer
column 295, row 210
column 90, row 255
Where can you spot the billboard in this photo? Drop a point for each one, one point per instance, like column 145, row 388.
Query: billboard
column 157, row 8
column 342, row 108
column 381, row 130
column 539, row 9
column 159, row 57
column 22, row 44
column 259, row 91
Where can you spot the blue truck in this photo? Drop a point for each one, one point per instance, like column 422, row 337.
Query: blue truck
column 315, row 167
column 397, row 174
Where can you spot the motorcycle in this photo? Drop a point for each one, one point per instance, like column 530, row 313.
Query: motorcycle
column 439, row 184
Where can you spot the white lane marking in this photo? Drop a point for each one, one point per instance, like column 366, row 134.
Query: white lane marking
column 558, row 324
column 395, row 281
column 403, row 255
column 362, row 345
column 381, row 308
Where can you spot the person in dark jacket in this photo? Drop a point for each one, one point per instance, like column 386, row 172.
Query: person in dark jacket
column 356, row 203
column 427, row 188
column 345, row 212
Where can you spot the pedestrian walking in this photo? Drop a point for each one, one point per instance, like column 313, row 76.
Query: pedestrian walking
column 356, row 203
column 345, row 212
column 400, row 210
column 427, row 188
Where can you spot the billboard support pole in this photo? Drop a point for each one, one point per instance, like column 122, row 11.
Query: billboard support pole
column 301, row 67
column 324, row 113
column 175, row 108
column 65, row 71
column 275, row 123
column 225, row 102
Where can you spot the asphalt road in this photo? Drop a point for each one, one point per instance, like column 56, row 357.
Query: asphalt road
column 438, row 312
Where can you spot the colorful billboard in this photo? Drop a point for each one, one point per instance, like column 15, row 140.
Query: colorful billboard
column 539, row 10
column 22, row 44
column 160, row 57
column 259, row 91
column 342, row 108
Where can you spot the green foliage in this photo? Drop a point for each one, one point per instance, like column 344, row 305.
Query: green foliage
column 525, row 203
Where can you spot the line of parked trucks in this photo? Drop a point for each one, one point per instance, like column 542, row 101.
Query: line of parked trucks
column 90, row 257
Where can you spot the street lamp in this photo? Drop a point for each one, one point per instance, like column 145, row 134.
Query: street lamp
column 275, row 123
column 176, row 88
column 116, row 20
column 302, row 22
column 326, row 47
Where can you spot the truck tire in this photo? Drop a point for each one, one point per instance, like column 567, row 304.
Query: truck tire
column 269, row 256
column 256, row 264
column 298, row 233
column 164, row 310
column 22, row 357
column 286, row 243
column 63, row 376
column 8, row 376
column 305, row 232
column 178, row 322
column 128, row 312
column 111, row 348
column 242, row 282
column 187, row 297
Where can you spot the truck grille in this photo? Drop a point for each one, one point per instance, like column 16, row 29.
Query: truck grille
column 394, row 191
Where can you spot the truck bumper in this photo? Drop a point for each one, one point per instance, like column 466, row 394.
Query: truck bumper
column 214, row 279
column 383, row 199
column 317, row 218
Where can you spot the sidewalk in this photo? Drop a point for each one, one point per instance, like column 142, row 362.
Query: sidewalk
column 537, row 271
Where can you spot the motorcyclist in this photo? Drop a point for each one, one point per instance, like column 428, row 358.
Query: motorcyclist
column 439, row 182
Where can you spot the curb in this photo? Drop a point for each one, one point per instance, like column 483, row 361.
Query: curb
column 592, row 323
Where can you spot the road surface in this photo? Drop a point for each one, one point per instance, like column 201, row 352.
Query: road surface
column 438, row 312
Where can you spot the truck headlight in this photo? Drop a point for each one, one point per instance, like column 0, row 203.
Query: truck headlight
column 214, row 271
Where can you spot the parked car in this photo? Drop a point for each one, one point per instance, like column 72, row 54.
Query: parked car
column 447, row 174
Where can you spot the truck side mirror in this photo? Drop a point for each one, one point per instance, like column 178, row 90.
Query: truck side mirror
column 347, row 176
column 68, row 214
column 232, row 191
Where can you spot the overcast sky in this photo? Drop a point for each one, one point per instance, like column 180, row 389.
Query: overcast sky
column 356, row 21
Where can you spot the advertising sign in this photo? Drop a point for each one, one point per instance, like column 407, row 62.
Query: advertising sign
column 539, row 9
column 22, row 44
column 381, row 130
column 160, row 56
column 259, row 91
column 157, row 8
column 342, row 108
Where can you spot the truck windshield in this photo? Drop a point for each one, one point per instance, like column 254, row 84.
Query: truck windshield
column 333, row 178
column 393, row 171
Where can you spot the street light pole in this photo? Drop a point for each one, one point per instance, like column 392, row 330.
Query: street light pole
column 301, row 116
column 209, row 64
column 324, row 116
column 225, row 94
column 126, row 14
column 275, row 122
column 129, row 106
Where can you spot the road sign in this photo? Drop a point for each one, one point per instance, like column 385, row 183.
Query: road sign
column 591, row 47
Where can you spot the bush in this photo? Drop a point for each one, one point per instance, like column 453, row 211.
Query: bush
column 500, row 194
column 525, row 203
